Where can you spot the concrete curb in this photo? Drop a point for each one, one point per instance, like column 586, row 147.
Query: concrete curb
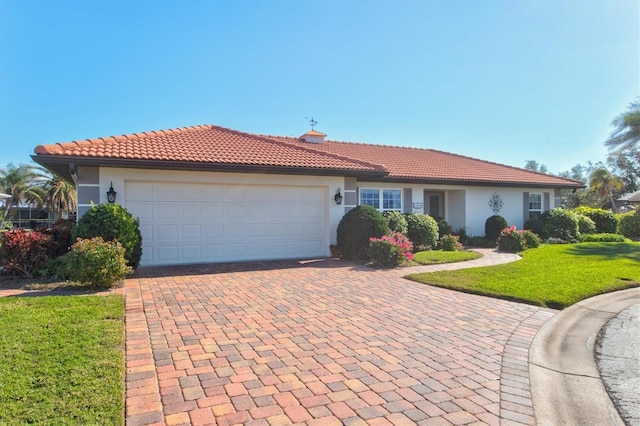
column 566, row 387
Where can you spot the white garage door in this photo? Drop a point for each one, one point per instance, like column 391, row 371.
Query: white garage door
column 192, row 222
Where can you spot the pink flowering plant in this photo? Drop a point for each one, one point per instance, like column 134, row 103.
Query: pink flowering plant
column 450, row 243
column 514, row 240
column 390, row 250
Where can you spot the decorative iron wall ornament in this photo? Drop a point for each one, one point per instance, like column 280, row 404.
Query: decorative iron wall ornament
column 495, row 203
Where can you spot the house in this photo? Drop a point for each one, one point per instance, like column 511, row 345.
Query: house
column 211, row 194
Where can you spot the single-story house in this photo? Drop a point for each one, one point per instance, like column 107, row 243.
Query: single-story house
column 211, row 194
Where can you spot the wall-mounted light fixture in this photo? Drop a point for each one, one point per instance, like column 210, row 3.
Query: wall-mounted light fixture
column 338, row 197
column 111, row 194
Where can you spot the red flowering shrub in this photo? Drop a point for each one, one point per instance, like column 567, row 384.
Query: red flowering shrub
column 513, row 240
column 24, row 252
column 390, row 250
column 450, row 243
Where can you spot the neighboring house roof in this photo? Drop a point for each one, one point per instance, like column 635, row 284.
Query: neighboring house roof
column 634, row 197
column 209, row 147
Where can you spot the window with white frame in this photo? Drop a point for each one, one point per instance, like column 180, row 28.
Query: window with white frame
column 382, row 199
column 535, row 205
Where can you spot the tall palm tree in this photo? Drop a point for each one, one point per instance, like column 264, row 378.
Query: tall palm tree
column 603, row 183
column 22, row 183
column 60, row 196
column 626, row 133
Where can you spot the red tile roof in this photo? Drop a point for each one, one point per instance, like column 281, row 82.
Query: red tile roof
column 216, row 146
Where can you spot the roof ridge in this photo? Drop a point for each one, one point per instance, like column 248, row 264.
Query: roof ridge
column 318, row 151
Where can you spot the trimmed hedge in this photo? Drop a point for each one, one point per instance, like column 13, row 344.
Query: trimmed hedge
column 355, row 230
column 586, row 225
column 493, row 226
column 602, row 238
column 113, row 222
column 606, row 221
column 630, row 224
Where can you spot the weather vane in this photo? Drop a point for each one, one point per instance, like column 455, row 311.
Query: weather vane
column 312, row 123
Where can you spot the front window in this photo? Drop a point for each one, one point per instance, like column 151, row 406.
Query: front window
column 382, row 199
column 535, row 205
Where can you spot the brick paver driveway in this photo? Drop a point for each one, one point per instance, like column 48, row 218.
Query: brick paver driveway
column 321, row 343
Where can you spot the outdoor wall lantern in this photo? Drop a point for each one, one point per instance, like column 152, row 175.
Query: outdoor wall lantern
column 111, row 194
column 338, row 197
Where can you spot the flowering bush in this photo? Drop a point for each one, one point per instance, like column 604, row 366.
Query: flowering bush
column 450, row 243
column 513, row 240
column 390, row 250
column 24, row 252
column 97, row 262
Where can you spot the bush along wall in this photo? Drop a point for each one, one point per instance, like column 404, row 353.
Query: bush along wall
column 355, row 230
column 606, row 222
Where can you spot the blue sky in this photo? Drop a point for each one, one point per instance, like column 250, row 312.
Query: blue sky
column 505, row 81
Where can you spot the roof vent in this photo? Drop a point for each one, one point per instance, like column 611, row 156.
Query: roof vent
column 313, row 136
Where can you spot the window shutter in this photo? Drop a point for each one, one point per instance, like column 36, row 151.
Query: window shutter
column 407, row 200
column 547, row 200
column 525, row 206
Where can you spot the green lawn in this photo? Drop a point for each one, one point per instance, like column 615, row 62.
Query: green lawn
column 62, row 360
column 553, row 275
column 432, row 257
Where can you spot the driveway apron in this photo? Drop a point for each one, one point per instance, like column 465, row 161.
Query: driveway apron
column 323, row 342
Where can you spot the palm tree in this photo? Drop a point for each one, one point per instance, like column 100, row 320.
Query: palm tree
column 60, row 196
column 22, row 183
column 603, row 183
column 626, row 133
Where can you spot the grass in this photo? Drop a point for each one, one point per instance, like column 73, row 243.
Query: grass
column 432, row 257
column 62, row 360
column 554, row 276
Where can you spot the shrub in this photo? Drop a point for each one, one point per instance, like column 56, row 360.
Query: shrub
column 113, row 222
column 450, row 243
column 532, row 240
column 606, row 221
column 396, row 221
column 534, row 225
column 61, row 236
column 585, row 224
column 556, row 241
column 493, row 226
column 510, row 239
column 390, row 250
column 422, row 230
column 55, row 268
column 443, row 226
column 602, row 238
column 24, row 252
column 560, row 223
column 97, row 262
column 630, row 223
column 461, row 233
column 355, row 230
column 480, row 242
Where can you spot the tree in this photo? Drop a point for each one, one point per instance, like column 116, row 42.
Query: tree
column 534, row 166
column 626, row 164
column 604, row 184
column 60, row 196
column 22, row 183
column 626, row 133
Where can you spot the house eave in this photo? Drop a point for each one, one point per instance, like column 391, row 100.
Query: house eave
column 468, row 182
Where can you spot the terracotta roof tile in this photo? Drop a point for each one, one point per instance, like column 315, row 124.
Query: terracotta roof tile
column 214, row 145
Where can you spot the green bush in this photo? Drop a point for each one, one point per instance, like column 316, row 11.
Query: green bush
column 553, row 240
column 532, row 240
column 396, row 221
column 390, row 250
column 422, row 230
column 113, row 222
column 355, row 230
column 585, row 224
column 443, row 226
column 480, row 242
column 512, row 240
column 630, row 223
column 560, row 223
column 493, row 226
column 450, row 243
column 602, row 238
column 535, row 225
column 606, row 221
column 97, row 262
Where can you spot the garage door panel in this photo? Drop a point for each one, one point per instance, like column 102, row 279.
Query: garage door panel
column 196, row 222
